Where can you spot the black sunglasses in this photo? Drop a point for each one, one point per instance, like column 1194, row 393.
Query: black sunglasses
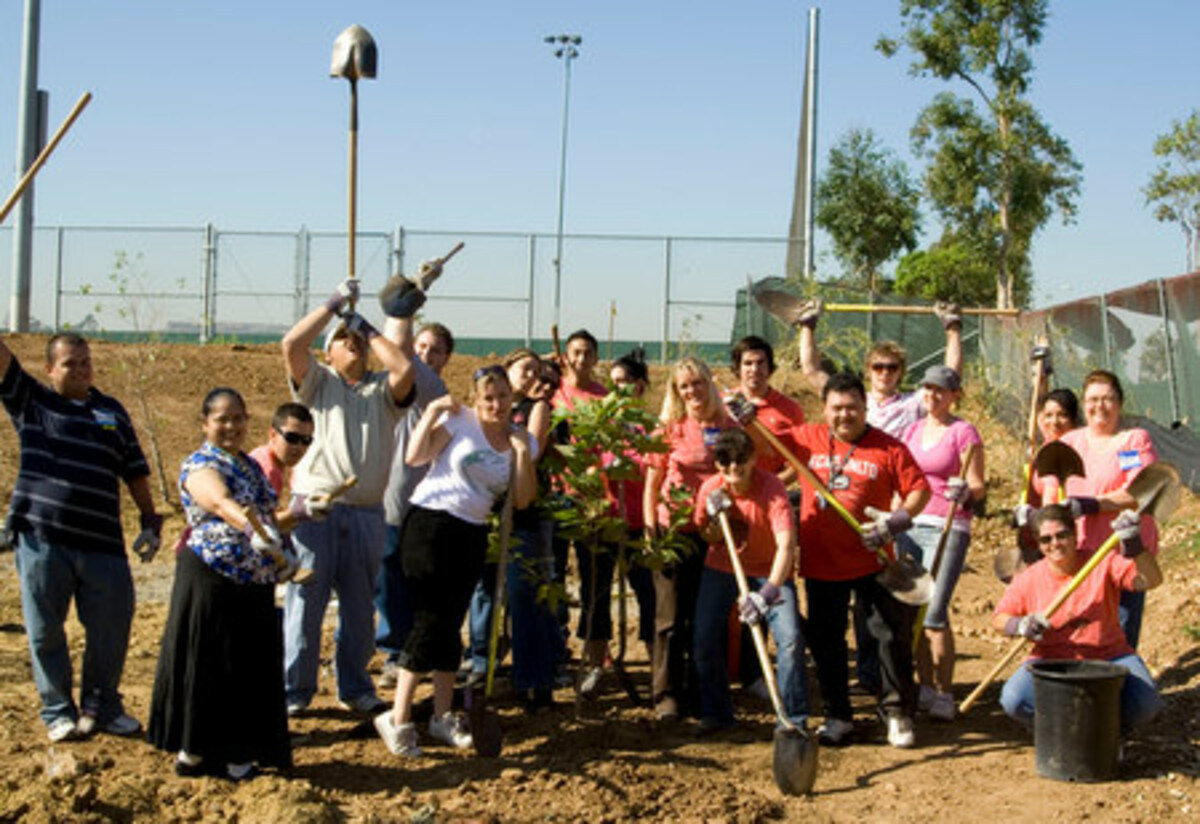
column 1063, row 535
column 885, row 367
column 295, row 438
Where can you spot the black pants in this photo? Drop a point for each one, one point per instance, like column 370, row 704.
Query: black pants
column 443, row 557
column 889, row 622
column 673, row 669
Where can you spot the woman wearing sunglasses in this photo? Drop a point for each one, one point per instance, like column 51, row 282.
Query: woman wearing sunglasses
column 474, row 453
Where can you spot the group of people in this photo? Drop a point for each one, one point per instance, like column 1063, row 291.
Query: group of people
column 390, row 483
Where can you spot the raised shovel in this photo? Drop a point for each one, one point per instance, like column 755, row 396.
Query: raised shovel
column 905, row 578
column 486, row 735
column 788, row 307
column 1054, row 460
column 794, row 762
column 354, row 56
column 1156, row 489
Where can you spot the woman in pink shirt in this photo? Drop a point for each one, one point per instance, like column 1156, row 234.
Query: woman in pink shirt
column 1113, row 455
column 692, row 417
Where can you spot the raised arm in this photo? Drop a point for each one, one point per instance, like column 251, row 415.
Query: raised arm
column 299, row 340
column 810, row 355
column 428, row 439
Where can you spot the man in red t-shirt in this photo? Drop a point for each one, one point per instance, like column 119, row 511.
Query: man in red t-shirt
column 1087, row 625
column 865, row 469
column 756, row 503
column 753, row 362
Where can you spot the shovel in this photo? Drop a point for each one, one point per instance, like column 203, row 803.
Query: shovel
column 1054, row 460
column 44, row 155
column 903, row 577
column 788, row 307
column 794, row 762
column 1156, row 489
column 354, row 55
column 486, row 735
column 919, row 624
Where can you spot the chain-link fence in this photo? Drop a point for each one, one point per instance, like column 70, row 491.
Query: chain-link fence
column 206, row 283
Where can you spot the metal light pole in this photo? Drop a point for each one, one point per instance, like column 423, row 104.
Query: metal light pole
column 566, row 48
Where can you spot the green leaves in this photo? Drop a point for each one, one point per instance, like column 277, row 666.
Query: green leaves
column 1174, row 188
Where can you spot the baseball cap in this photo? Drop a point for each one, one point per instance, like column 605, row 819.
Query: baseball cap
column 943, row 377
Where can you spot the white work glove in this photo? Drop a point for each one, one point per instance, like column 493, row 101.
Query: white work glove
column 314, row 507
column 883, row 527
column 346, row 292
column 1022, row 513
column 950, row 314
column 957, row 491
column 1128, row 527
column 148, row 541
column 741, row 409
column 810, row 313
column 1032, row 626
column 271, row 545
column 718, row 501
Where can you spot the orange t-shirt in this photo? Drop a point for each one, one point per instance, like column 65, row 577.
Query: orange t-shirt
column 780, row 415
column 764, row 511
column 1087, row 625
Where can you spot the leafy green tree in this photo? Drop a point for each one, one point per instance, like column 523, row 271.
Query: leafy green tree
column 867, row 202
column 996, row 172
column 1174, row 189
column 952, row 269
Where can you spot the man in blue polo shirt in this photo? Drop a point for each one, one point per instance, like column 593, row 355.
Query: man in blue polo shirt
column 77, row 446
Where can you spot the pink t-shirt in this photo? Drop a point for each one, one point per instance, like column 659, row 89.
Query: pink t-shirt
column 762, row 512
column 941, row 461
column 273, row 469
column 689, row 460
column 1087, row 625
column 1109, row 464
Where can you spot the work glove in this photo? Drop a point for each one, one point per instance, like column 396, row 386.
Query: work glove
column 1127, row 527
column 957, row 491
column 314, row 507
column 358, row 325
column 402, row 297
column 810, row 313
column 271, row 545
column 741, row 409
column 1041, row 352
column 950, row 314
column 755, row 606
column 146, row 545
column 1032, row 626
column 1081, row 506
column 718, row 501
column 346, row 292
column 1021, row 515
column 883, row 527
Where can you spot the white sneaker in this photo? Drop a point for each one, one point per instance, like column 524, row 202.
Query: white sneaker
column 62, row 729
column 925, row 697
column 942, row 708
column 590, row 682
column 451, row 729
column 400, row 740
column 900, row 732
column 834, row 731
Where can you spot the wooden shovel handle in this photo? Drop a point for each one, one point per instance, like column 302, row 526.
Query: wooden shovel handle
column 807, row 474
column 344, row 487
column 760, row 643
column 44, row 155
column 457, row 248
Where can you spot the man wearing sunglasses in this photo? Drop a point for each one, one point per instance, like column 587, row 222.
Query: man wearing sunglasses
column 1087, row 626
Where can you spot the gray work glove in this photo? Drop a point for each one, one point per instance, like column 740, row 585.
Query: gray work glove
column 741, row 408
column 883, row 527
column 402, row 297
column 718, row 501
column 950, row 314
column 358, row 325
column 755, row 606
column 1032, row 626
column 314, row 507
column 957, row 491
column 346, row 292
column 1128, row 527
column 148, row 541
column 810, row 313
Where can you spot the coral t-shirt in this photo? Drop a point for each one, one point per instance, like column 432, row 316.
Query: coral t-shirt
column 273, row 469
column 1109, row 464
column 780, row 415
column 762, row 512
column 1087, row 625
column 866, row 473
column 689, row 459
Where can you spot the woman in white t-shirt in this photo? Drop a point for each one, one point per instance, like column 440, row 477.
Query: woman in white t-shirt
column 443, row 544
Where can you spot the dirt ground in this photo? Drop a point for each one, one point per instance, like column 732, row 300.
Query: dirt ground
column 609, row 761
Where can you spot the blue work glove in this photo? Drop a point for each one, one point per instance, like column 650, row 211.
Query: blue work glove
column 755, row 606
column 146, row 545
column 1081, row 506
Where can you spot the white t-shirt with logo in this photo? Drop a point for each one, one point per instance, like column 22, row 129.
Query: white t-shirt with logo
column 468, row 476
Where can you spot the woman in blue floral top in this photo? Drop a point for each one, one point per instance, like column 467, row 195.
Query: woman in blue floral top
column 218, row 693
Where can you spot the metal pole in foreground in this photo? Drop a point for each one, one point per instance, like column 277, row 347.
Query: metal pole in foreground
column 566, row 49
column 27, row 149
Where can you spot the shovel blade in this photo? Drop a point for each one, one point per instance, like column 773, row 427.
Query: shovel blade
column 782, row 305
column 907, row 581
column 1157, row 489
column 1057, row 459
column 486, row 736
column 354, row 54
column 794, row 762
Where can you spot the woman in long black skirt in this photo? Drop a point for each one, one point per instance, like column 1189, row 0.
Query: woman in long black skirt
column 218, row 693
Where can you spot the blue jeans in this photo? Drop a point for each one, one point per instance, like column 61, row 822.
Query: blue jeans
column 718, row 593
column 393, row 604
column 920, row 543
column 479, row 619
column 1139, row 698
column 344, row 552
column 1130, row 610
column 103, row 591
column 536, row 642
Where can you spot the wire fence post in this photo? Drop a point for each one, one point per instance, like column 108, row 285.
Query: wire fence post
column 398, row 251
column 1169, row 350
column 302, row 274
column 58, row 279
column 1108, row 363
column 529, row 292
column 208, row 319
column 666, row 310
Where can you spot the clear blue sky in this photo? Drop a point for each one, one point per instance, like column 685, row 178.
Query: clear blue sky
column 684, row 116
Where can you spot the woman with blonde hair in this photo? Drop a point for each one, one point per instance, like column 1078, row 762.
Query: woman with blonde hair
column 692, row 418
